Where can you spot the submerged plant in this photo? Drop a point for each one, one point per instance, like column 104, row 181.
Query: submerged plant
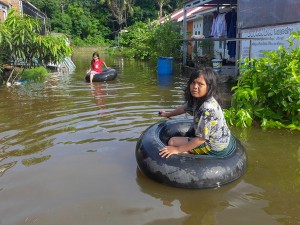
column 35, row 74
column 268, row 90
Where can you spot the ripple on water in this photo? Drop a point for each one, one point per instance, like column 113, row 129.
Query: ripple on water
column 67, row 146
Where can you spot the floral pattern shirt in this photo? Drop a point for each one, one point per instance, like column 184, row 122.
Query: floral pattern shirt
column 210, row 124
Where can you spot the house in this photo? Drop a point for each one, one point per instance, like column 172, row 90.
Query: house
column 194, row 23
column 198, row 23
column 3, row 10
column 24, row 7
column 275, row 20
column 260, row 25
column 202, row 23
column 217, row 25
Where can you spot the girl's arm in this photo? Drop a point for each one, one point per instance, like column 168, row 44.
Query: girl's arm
column 90, row 68
column 105, row 65
column 178, row 111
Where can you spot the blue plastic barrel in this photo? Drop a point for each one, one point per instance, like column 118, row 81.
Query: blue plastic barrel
column 165, row 65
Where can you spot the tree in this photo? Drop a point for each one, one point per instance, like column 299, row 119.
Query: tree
column 84, row 19
column 23, row 44
column 62, row 23
column 148, row 41
column 63, row 4
column 49, row 7
column 120, row 9
column 83, row 24
column 161, row 4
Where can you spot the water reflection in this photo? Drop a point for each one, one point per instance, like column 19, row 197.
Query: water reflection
column 99, row 94
column 43, row 126
column 6, row 166
column 35, row 160
column 199, row 206
column 226, row 205
column 165, row 80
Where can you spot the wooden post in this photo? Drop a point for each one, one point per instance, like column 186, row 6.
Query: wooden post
column 184, row 36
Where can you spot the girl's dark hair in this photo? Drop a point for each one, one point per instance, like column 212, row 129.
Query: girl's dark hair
column 211, row 82
column 96, row 54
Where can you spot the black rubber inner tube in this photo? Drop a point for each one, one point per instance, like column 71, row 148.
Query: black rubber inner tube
column 106, row 75
column 186, row 170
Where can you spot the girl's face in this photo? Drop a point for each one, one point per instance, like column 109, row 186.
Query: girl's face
column 198, row 87
column 95, row 57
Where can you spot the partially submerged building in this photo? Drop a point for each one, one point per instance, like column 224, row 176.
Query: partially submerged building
column 3, row 10
column 274, row 20
column 24, row 7
column 260, row 26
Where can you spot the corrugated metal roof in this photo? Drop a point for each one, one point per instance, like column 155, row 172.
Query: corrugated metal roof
column 195, row 3
column 179, row 14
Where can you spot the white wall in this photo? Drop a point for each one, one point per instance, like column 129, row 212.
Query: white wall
column 198, row 30
column 4, row 10
column 218, row 45
column 274, row 35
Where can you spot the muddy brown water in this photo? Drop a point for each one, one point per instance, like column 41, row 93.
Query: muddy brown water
column 67, row 156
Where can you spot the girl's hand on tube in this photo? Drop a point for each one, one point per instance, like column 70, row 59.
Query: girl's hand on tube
column 163, row 114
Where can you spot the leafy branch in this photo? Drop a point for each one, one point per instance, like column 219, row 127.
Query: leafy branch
column 268, row 91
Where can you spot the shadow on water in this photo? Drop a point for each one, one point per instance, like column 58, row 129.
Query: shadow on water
column 229, row 204
column 67, row 156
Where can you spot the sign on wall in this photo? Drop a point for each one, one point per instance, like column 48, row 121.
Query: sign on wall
column 271, row 37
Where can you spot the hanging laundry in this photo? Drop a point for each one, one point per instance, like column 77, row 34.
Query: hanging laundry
column 219, row 26
column 231, row 19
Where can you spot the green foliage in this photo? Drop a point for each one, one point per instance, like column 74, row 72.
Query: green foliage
column 148, row 41
column 5, row 35
column 89, row 29
column 268, row 90
column 108, row 17
column 143, row 13
column 166, row 39
column 138, row 40
column 97, row 40
column 35, row 74
column 50, row 49
column 5, row 44
column 22, row 33
column 50, row 7
column 22, row 44
column 86, row 18
column 84, row 26
column 62, row 23
column 125, row 52
column 121, row 10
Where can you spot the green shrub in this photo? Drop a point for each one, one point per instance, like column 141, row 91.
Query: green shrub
column 267, row 93
column 35, row 74
column 148, row 41
column 166, row 39
column 97, row 40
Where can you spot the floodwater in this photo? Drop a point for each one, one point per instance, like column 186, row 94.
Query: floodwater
column 67, row 156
